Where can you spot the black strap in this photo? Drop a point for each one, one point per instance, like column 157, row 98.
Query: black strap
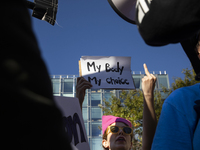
column 197, row 108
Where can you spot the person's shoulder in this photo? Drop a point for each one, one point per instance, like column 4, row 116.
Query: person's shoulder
column 184, row 97
column 188, row 90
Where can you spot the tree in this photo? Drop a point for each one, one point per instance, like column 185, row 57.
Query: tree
column 130, row 106
column 189, row 79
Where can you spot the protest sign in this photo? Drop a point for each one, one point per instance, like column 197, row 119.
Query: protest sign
column 73, row 122
column 107, row 72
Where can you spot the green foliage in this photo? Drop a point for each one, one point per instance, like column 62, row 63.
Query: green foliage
column 130, row 106
column 158, row 102
column 189, row 79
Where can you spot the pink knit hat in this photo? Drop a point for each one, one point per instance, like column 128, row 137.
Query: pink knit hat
column 108, row 120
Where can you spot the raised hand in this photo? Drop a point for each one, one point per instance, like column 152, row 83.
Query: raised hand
column 81, row 86
column 148, row 82
column 149, row 116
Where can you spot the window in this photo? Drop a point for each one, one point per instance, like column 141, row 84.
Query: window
column 107, row 94
column 96, row 114
column 68, row 95
column 85, row 102
column 137, row 81
column 86, row 128
column 68, row 85
column 85, row 114
column 95, row 99
column 56, row 86
column 162, row 81
column 95, row 129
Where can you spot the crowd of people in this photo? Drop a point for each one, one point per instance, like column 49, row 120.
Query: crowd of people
column 31, row 120
column 117, row 131
column 177, row 127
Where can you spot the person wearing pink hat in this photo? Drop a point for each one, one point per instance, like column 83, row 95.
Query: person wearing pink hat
column 117, row 131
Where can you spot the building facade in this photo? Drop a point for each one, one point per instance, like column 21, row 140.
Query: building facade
column 65, row 85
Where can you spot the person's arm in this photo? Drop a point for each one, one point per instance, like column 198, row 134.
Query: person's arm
column 149, row 116
column 81, row 86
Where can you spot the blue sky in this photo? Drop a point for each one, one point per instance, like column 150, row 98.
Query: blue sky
column 92, row 28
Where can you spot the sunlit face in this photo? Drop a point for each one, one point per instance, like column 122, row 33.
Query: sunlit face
column 198, row 48
column 119, row 141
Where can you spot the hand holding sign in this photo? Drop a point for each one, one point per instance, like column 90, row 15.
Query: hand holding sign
column 81, row 86
column 148, row 82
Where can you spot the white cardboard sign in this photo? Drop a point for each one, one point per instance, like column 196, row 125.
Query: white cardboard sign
column 107, row 72
column 73, row 122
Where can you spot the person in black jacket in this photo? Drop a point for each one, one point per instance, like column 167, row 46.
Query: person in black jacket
column 29, row 117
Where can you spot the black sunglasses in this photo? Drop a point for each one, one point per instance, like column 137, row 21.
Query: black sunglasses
column 115, row 129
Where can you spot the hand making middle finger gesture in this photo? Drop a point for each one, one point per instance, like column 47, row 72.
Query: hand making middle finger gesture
column 149, row 116
column 148, row 82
